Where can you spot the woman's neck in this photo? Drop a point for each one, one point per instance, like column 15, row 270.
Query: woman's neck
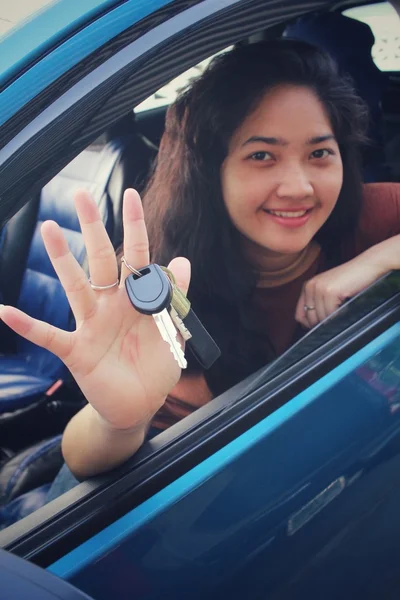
column 276, row 269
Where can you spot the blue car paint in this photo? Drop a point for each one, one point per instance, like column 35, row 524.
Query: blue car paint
column 43, row 30
column 67, row 54
column 289, row 480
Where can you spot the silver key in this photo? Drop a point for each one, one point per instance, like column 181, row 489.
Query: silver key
column 179, row 324
column 170, row 335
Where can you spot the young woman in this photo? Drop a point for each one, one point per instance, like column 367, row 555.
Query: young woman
column 257, row 186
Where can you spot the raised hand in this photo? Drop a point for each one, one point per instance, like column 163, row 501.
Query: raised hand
column 116, row 355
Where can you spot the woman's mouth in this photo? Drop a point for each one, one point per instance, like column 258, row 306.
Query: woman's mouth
column 289, row 218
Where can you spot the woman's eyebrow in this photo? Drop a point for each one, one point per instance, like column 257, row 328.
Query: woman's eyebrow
column 320, row 138
column 266, row 140
column 278, row 141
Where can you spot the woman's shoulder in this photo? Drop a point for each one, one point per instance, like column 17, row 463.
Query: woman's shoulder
column 380, row 213
column 381, row 202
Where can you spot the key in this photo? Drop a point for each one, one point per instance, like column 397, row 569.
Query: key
column 179, row 324
column 199, row 340
column 150, row 294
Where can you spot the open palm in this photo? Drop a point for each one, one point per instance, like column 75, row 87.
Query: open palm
column 116, row 355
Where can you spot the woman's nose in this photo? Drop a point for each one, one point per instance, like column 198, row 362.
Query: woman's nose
column 294, row 182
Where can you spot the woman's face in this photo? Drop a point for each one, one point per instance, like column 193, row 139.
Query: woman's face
column 283, row 172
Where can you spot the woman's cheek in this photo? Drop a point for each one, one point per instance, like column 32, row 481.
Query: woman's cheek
column 335, row 179
column 234, row 191
column 329, row 186
column 244, row 189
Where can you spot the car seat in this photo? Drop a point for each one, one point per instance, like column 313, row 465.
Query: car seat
column 350, row 42
column 22, row 580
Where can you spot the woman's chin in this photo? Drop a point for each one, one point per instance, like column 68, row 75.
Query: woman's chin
column 289, row 249
column 269, row 247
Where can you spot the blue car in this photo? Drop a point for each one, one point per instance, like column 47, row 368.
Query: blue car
column 288, row 484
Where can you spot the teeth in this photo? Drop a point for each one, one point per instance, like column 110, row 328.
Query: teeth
column 291, row 214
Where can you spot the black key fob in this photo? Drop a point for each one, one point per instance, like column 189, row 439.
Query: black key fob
column 201, row 344
column 151, row 292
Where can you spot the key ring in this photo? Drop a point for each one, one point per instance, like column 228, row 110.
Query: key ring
column 131, row 269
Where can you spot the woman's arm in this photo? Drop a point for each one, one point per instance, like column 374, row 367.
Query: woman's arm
column 325, row 292
column 90, row 445
column 116, row 355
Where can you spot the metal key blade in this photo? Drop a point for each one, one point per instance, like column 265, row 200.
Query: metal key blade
column 170, row 335
column 179, row 324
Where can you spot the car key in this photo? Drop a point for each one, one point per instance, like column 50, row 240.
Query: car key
column 199, row 340
column 179, row 324
column 150, row 294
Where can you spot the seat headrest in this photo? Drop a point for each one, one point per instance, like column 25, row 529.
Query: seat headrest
column 349, row 42
column 125, row 126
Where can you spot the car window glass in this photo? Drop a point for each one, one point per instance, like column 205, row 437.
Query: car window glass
column 385, row 25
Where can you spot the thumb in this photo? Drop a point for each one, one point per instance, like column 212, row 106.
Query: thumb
column 180, row 267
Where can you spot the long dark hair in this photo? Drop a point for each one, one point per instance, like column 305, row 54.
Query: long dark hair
column 184, row 207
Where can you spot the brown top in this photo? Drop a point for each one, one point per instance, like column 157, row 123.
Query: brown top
column 380, row 220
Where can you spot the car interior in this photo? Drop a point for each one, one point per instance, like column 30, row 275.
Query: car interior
column 37, row 394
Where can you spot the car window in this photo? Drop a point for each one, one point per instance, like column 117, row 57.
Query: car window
column 385, row 25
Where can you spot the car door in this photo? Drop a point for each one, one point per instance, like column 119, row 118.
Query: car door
column 259, row 492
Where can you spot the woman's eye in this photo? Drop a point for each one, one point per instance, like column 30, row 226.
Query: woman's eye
column 261, row 156
column 322, row 153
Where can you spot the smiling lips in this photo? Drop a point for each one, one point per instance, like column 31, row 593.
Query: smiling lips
column 295, row 217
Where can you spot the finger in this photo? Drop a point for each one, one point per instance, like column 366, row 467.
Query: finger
column 310, row 307
column 136, row 243
column 180, row 268
column 102, row 261
column 319, row 305
column 332, row 303
column 81, row 297
column 299, row 312
column 51, row 338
